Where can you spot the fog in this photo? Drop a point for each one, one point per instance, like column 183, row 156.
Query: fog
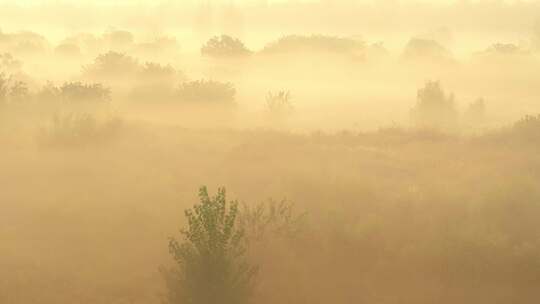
column 371, row 152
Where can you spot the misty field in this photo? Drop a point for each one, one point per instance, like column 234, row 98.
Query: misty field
column 388, row 216
column 194, row 153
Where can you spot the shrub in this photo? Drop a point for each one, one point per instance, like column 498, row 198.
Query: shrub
column 8, row 63
column 48, row 93
column 527, row 129
column 271, row 218
column 79, row 130
column 81, row 92
column 112, row 64
column 12, row 90
column 504, row 49
column 225, row 47
column 68, row 50
column 315, row 43
column 23, row 43
column 434, row 109
column 118, row 39
column 279, row 103
column 476, row 112
column 155, row 72
column 19, row 92
column 426, row 49
column 211, row 266
column 206, row 91
column 4, row 88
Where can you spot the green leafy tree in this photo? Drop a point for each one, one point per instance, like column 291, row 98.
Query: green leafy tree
column 211, row 264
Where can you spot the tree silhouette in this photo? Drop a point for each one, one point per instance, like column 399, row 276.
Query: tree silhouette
column 419, row 49
column 225, row 47
column 434, row 109
column 112, row 64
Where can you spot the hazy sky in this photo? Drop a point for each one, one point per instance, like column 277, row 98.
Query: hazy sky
column 135, row 2
column 474, row 25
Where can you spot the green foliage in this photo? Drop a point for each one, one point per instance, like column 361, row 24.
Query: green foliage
column 210, row 257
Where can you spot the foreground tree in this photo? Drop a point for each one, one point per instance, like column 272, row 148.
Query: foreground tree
column 211, row 265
